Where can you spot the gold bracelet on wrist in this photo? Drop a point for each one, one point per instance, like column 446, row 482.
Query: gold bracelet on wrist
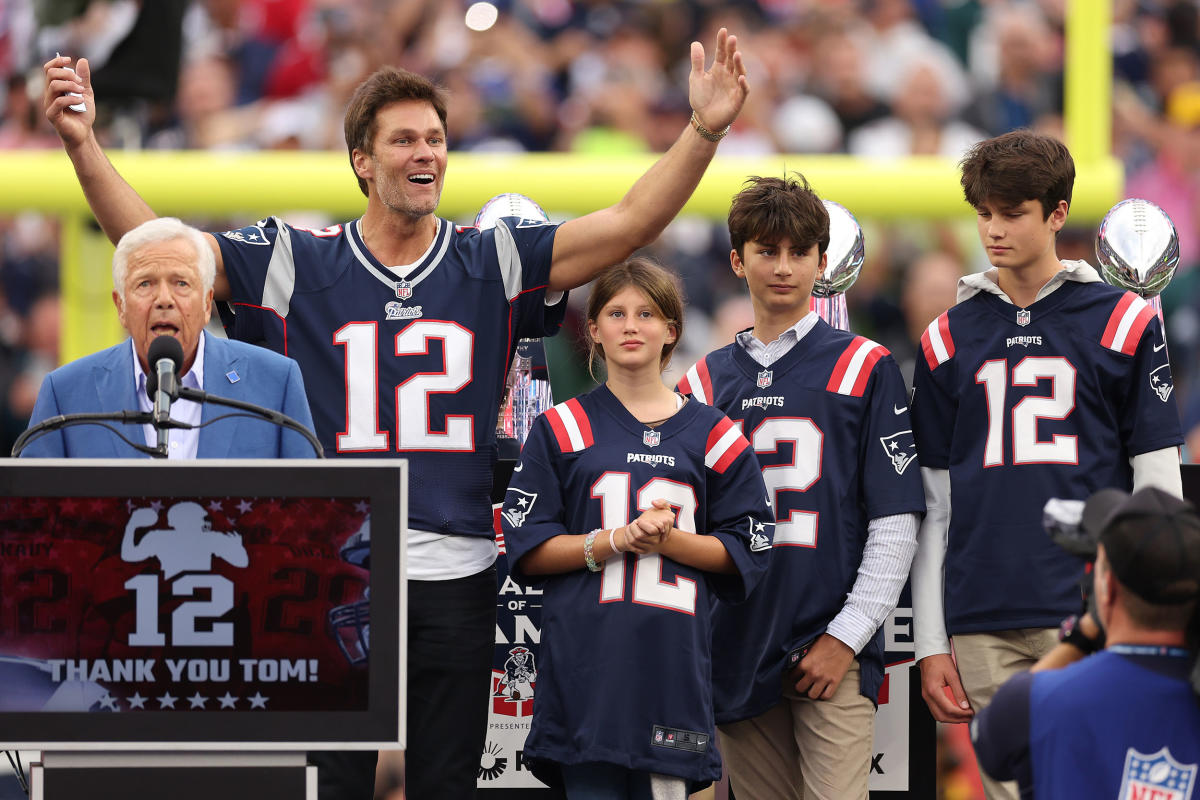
column 705, row 132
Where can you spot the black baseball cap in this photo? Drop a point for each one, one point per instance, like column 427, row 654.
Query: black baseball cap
column 1152, row 540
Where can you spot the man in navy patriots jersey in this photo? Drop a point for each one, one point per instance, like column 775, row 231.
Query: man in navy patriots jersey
column 1041, row 382
column 801, row 663
column 624, row 683
column 404, row 326
column 1125, row 722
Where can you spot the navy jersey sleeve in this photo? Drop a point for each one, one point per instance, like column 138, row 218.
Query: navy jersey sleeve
column 246, row 254
column 1000, row 734
column 890, row 472
column 533, row 506
column 738, row 512
column 934, row 407
column 1148, row 415
column 528, row 245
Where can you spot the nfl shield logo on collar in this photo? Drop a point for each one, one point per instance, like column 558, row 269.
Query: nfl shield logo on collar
column 651, row 438
column 1023, row 317
column 403, row 290
column 765, row 378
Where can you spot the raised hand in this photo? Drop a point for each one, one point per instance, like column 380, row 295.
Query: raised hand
column 73, row 127
column 717, row 94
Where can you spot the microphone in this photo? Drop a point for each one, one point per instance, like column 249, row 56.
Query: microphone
column 166, row 362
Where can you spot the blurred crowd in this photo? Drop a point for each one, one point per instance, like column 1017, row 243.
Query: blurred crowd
column 879, row 79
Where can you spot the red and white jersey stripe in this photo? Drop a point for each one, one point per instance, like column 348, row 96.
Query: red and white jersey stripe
column 936, row 342
column 853, row 369
column 1127, row 323
column 697, row 382
column 725, row 444
column 570, row 425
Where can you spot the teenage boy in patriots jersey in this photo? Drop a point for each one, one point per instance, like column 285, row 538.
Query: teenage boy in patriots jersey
column 678, row 515
column 1041, row 382
column 404, row 327
column 800, row 663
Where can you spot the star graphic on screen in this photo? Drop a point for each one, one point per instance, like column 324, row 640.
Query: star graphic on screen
column 67, row 506
column 129, row 505
column 361, row 507
column 109, row 702
column 245, row 506
column 157, row 505
column 258, row 701
column 214, row 506
column 228, row 700
column 197, row 700
column 167, row 701
column 137, row 701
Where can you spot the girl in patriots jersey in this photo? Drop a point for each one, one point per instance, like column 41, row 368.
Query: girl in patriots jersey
column 639, row 507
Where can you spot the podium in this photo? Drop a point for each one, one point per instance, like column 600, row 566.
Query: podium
column 191, row 629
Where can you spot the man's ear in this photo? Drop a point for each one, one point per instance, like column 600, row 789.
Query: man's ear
column 1058, row 217
column 362, row 164
column 116, row 296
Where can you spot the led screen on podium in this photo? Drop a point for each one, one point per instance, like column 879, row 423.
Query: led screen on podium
column 201, row 605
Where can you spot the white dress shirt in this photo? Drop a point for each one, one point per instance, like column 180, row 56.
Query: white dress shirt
column 181, row 443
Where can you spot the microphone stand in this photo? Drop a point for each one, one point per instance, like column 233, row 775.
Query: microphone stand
column 269, row 414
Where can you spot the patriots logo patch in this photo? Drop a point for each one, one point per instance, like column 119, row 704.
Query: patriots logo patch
column 761, row 534
column 253, row 235
column 1157, row 775
column 1160, row 382
column 517, row 505
column 901, row 448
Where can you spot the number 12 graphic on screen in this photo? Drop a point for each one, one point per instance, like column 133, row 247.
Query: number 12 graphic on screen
column 413, row 428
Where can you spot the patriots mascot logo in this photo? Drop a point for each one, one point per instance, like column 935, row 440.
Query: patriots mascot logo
column 1160, row 382
column 901, row 448
column 517, row 508
column 761, row 534
column 1157, row 775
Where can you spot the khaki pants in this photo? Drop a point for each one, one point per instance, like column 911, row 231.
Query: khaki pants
column 803, row 749
column 987, row 660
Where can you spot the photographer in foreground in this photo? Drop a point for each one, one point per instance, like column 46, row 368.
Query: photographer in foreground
column 1126, row 721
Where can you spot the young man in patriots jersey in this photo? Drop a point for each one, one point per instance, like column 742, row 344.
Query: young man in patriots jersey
column 801, row 662
column 404, row 326
column 1041, row 382
column 678, row 515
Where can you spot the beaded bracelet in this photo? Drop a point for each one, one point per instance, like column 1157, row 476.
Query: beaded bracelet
column 588, row 557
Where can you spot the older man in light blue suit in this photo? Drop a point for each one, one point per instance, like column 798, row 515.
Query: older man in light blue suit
column 163, row 273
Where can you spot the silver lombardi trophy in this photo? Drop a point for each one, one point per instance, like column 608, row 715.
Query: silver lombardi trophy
column 1138, row 249
column 846, row 253
column 527, row 388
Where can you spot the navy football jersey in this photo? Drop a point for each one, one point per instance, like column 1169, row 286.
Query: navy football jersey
column 410, row 365
column 624, row 669
column 1117, row 724
column 1022, row 405
column 829, row 424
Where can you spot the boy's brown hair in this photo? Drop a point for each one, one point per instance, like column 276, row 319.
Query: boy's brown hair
column 1018, row 166
column 768, row 209
column 385, row 86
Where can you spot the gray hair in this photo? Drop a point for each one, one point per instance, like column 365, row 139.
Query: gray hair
column 162, row 229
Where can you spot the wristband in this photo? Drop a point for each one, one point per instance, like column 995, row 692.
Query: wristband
column 588, row 558
column 1069, row 632
column 612, row 541
column 704, row 132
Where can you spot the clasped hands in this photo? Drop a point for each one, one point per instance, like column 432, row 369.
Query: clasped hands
column 650, row 531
